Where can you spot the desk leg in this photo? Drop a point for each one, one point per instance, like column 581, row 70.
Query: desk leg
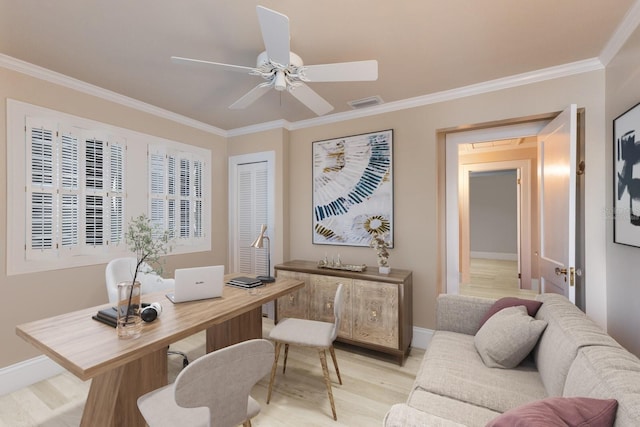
column 113, row 396
column 244, row 327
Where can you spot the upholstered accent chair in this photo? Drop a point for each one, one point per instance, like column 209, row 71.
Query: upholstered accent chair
column 213, row 390
column 309, row 333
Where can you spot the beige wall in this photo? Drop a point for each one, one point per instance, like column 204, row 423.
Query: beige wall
column 416, row 172
column 623, row 268
column 29, row 297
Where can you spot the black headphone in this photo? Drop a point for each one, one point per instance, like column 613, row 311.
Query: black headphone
column 150, row 312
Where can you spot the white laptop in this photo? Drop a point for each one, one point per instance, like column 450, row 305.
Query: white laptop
column 197, row 283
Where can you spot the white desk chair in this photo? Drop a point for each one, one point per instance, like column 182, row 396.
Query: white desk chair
column 213, row 390
column 309, row 333
column 121, row 270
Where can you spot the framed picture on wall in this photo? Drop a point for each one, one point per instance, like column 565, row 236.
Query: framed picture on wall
column 626, row 180
column 353, row 189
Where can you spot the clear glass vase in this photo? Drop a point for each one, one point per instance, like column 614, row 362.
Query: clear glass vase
column 129, row 321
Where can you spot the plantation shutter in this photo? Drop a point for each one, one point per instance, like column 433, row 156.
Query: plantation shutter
column 157, row 183
column 41, row 209
column 69, row 173
column 252, row 213
column 116, row 194
column 94, row 163
column 177, row 194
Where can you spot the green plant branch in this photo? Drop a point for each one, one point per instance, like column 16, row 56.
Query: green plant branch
column 141, row 241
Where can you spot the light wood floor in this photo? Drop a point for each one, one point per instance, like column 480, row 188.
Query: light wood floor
column 492, row 278
column 370, row 386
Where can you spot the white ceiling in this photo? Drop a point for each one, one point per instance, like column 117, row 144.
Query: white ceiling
column 422, row 46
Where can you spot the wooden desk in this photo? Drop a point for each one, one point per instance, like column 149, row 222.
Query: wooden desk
column 123, row 370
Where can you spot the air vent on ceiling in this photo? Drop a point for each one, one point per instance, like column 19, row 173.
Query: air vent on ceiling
column 365, row 102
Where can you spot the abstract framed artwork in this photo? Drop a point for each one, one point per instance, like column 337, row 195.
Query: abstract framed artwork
column 626, row 159
column 353, row 189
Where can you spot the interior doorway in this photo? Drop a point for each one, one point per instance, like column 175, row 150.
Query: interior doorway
column 506, row 142
column 495, row 223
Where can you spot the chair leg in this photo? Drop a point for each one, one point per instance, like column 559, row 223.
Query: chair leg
column 327, row 381
column 273, row 369
column 286, row 355
column 335, row 363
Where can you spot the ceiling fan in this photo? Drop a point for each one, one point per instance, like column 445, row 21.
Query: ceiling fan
column 284, row 70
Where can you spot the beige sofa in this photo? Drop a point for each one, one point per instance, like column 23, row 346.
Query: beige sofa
column 573, row 357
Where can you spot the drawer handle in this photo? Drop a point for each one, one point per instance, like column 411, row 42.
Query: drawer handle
column 373, row 316
column 291, row 299
column 329, row 305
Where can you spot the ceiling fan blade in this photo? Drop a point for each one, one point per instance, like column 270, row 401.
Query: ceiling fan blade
column 275, row 33
column 310, row 98
column 251, row 96
column 340, row 72
column 228, row 67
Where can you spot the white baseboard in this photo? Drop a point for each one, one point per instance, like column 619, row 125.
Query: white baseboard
column 421, row 337
column 23, row 374
column 31, row 371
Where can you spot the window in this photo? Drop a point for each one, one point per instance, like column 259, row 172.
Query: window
column 75, row 193
column 73, row 183
column 176, row 193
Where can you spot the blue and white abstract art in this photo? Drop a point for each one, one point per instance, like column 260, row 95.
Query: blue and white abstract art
column 353, row 189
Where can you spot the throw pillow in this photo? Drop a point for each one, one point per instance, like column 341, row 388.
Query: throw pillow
column 532, row 306
column 508, row 337
column 560, row 411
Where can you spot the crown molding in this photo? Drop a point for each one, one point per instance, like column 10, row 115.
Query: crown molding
column 544, row 74
column 550, row 73
column 75, row 84
column 260, row 127
column 620, row 36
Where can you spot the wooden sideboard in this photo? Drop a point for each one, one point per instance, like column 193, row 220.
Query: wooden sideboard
column 377, row 312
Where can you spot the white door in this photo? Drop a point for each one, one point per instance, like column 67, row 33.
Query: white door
column 557, row 144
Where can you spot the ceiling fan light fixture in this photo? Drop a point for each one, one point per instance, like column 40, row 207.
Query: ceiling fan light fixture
column 280, row 81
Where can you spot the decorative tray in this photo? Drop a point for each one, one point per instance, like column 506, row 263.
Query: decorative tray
column 344, row 267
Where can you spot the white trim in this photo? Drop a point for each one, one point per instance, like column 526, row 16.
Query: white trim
column 25, row 373
column 234, row 161
column 624, row 30
column 421, row 337
column 71, row 83
column 550, row 73
column 452, row 140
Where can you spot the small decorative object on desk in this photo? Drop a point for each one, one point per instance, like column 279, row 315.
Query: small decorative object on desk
column 149, row 245
column 379, row 243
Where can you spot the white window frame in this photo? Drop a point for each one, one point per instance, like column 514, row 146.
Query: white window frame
column 135, row 195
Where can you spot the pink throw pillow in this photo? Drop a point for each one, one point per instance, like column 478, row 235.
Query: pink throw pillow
column 532, row 306
column 560, row 411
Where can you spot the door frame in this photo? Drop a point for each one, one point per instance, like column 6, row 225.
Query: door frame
column 234, row 162
column 523, row 215
column 452, row 138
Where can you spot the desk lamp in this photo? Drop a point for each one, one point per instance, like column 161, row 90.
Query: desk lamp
column 259, row 244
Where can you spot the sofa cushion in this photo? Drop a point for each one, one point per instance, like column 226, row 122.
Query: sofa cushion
column 452, row 367
column 560, row 412
column 450, row 409
column 608, row 373
column 461, row 313
column 508, row 337
column 568, row 329
column 402, row 415
column 532, row 307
